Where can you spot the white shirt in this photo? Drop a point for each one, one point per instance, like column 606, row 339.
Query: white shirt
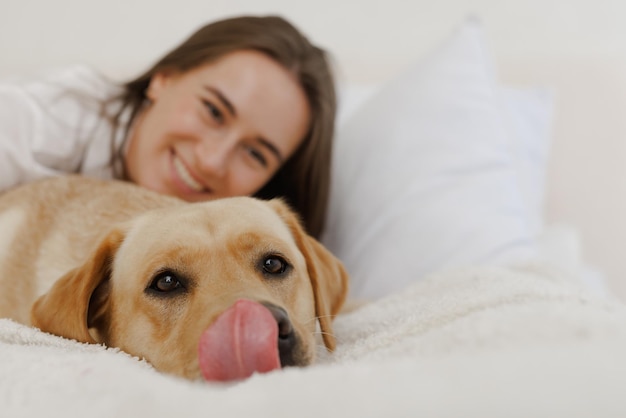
column 55, row 125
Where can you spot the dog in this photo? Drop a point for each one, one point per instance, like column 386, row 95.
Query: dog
column 216, row 290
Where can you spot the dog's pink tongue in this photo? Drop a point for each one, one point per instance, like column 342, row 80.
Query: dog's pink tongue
column 243, row 340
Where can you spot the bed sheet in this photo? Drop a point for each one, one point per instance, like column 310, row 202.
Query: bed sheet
column 473, row 342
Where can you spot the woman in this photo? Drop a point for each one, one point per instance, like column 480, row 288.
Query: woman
column 245, row 106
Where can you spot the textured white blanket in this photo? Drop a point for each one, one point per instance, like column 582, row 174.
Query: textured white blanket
column 479, row 342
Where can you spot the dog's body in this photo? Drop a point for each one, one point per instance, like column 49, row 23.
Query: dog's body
column 112, row 263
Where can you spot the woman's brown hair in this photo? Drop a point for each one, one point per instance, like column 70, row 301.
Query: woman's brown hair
column 304, row 180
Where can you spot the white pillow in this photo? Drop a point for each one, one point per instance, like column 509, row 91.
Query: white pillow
column 424, row 177
column 528, row 113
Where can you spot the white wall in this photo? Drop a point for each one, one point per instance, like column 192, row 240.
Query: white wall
column 371, row 39
column 578, row 47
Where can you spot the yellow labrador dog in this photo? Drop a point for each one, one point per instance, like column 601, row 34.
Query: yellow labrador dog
column 219, row 290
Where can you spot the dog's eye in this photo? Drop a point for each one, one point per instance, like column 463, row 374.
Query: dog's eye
column 274, row 265
column 166, row 281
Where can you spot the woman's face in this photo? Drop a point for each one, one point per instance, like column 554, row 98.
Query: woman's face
column 221, row 129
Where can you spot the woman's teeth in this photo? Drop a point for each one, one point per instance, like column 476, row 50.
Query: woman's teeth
column 185, row 176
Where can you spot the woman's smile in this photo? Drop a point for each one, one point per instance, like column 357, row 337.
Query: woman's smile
column 181, row 174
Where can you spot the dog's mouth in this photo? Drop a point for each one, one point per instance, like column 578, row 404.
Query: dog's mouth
column 247, row 338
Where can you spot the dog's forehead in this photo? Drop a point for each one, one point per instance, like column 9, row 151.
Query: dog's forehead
column 218, row 220
column 201, row 237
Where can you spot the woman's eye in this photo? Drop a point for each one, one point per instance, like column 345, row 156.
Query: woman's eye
column 275, row 265
column 213, row 111
column 257, row 155
column 165, row 282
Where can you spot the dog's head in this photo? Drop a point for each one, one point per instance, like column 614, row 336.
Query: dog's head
column 181, row 280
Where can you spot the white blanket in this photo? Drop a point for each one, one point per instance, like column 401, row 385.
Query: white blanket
column 476, row 342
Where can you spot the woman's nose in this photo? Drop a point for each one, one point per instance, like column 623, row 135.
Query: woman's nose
column 213, row 155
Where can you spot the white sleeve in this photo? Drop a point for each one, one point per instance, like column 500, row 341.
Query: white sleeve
column 19, row 121
column 50, row 126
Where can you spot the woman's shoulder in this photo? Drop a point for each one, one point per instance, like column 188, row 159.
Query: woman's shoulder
column 59, row 119
column 79, row 80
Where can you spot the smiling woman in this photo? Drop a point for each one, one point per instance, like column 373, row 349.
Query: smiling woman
column 244, row 106
column 219, row 130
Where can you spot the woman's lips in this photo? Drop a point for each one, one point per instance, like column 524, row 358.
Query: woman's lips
column 185, row 176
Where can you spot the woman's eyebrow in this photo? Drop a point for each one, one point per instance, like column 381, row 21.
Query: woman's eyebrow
column 227, row 104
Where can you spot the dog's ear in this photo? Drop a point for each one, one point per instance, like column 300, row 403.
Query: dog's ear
column 328, row 275
column 77, row 300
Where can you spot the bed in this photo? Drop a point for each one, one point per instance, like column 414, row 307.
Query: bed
column 489, row 282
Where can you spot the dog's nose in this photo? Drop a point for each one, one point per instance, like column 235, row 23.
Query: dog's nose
column 287, row 339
